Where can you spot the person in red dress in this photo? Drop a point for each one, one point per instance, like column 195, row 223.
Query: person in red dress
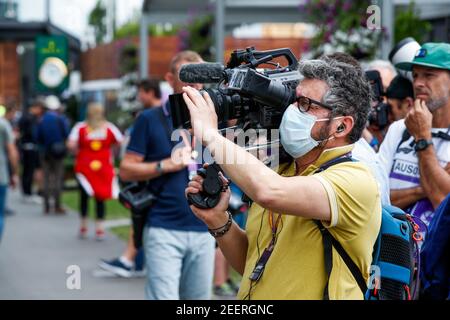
column 92, row 141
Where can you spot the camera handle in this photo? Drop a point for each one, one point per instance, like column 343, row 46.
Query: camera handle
column 212, row 187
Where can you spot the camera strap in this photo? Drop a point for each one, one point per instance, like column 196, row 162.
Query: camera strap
column 163, row 118
column 139, row 218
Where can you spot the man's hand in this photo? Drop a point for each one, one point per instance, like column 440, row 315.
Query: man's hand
column 214, row 217
column 179, row 159
column 203, row 114
column 418, row 121
column 14, row 182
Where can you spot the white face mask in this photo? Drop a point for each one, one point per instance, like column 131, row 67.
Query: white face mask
column 295, row 131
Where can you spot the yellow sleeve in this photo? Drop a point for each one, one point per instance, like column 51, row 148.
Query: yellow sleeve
column 353, row 197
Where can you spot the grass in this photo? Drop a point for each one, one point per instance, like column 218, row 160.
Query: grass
column 114, row 210
column 123, row 232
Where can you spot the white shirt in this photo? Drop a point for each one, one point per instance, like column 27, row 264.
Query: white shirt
column 364, row 152
column 402, row 164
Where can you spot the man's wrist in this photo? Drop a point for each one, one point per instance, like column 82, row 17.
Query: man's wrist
column 423, row 136
column 213, row 142
column 217, row 220
column 162, row 167
column 223, row 229
column 422, row 144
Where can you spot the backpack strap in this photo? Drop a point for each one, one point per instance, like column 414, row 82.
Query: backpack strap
column 328, row 255
column 405, row 136
column 329, row 242
column 345, row 158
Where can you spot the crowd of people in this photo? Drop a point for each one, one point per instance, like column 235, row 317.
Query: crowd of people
column 343, row 171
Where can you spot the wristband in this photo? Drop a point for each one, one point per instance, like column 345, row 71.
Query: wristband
column 219, row 232
column 159, row 167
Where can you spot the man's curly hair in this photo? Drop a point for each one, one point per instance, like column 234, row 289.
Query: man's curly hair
column 349, row 91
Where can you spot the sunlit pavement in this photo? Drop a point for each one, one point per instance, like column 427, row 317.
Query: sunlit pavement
column 36, row 252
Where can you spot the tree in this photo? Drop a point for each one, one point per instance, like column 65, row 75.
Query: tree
column 342, row 27
column 409, row 24
column 97, row 19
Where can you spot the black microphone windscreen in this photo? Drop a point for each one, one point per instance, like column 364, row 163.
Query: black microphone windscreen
column 201, row 72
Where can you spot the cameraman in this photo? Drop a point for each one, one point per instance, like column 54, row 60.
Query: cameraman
column 328, row 117
column 416, row 150
column 374, row 134
column 179, row 252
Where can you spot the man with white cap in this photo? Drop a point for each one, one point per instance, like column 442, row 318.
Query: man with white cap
column 416, row 150
column 52, row 131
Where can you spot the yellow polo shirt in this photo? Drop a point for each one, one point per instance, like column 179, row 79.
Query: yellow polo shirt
column 296, row 268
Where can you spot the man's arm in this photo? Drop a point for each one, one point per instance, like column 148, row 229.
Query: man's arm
column 133, row 167
column 13, row 156
column 234, row 245
column 403, row 198
column 300, row 196
column 434, row 179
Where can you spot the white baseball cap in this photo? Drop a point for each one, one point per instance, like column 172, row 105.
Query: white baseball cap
column 52, row 102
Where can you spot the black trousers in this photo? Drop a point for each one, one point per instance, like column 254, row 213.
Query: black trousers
column 29, row 162
column 84, row 197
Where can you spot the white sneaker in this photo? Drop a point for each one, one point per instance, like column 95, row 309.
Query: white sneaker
column 32, row 200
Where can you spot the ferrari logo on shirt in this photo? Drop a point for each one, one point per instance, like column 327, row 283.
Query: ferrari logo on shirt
column 95, row 165
column 96, row 145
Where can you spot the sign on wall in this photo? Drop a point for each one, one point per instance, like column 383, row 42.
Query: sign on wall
column 52, row 56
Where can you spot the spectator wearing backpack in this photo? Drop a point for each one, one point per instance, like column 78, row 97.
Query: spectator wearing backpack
column 281, row 252
column 416, row 150
column 51, row 133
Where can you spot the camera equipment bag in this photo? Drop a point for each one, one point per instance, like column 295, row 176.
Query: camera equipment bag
column 395, row 267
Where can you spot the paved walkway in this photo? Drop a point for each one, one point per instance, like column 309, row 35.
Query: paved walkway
column 36, row 251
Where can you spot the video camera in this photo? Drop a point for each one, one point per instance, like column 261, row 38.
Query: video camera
column 379, row 114
column 254, row 96
column 257, row 98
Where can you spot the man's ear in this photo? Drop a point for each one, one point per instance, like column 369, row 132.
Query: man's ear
column 345, row 127
column 409, row 102
column 169, row 77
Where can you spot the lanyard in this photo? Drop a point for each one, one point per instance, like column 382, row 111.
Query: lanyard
column 262, row 261
column 274, row 227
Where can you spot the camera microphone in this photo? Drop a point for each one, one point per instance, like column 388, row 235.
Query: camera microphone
column 202, row 72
